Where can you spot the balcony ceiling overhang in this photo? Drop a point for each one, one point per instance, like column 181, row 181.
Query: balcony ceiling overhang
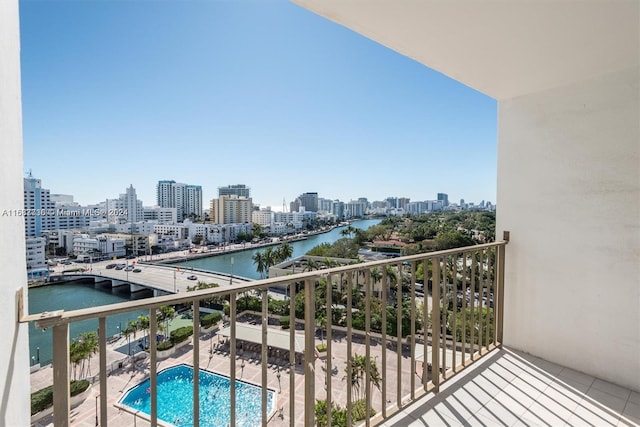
column 502, row 48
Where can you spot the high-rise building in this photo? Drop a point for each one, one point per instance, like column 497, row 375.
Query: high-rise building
column 38, row 201
column 444, row 198
column 186, row 198
column 309, row 201
column 337, row 209
column 239, row 190
column 166, row 194
column 324, row 205
column 129, row 202
column 403, row 202
column 231, row 210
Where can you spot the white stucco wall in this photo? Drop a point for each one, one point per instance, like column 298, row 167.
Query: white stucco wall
column 14, row 353
column 569, row 192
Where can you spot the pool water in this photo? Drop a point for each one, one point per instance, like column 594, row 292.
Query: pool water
column 175, row 399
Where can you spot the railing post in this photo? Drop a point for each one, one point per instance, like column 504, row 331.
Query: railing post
column 264, row 354
column 232, row 356
column 61, row 408
column 367, row 344
column 196, row 362
column 349, row 284
column 309, row 352
column 435, row 325
column 292, row 352
column 102, row 342
column 153, row 369
column 327, row 377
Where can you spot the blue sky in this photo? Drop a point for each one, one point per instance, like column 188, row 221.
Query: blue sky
column 262, row 93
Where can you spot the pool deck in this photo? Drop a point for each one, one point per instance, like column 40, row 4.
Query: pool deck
column 120, row 380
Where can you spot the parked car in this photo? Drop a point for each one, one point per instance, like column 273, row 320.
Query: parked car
column 192, row 277
column 137, row 270
column 110, row 266
column 119, row 267
column 129, row 268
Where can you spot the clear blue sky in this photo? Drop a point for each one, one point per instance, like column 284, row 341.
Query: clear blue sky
column 262, row 93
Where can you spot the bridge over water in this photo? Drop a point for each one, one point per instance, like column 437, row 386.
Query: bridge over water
column 161, row 279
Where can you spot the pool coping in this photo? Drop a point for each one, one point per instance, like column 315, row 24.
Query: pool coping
column 147, row 417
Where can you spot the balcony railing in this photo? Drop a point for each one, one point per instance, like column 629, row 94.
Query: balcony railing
column 418, row 320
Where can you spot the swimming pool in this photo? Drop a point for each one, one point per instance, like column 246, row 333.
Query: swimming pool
column 175, row 399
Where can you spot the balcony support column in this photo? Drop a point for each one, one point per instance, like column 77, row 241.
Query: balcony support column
column 61, row 408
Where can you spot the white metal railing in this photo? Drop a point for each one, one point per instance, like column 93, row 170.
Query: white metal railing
column 456, row 319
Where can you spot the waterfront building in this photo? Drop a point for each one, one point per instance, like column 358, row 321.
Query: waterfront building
column 231, row 210
column 355, row 209
column 337, row 209
column 324, row 205
column 263, row 217
column 37, row 267
column 309, row 201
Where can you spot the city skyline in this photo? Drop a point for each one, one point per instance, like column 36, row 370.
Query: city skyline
column 256, row 92
column 132, row 188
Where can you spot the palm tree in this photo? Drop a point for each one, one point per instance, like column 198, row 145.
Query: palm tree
column 166, row 314
column 358, row 375
column 90, row 346
column 80, row 351
column 348, row 231
column 142, row 324
column 259, row 260
column 270, row 257
column 310, row 265
column 285, row 251
column 131, row 329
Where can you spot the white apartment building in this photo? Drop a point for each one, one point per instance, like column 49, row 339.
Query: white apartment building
column 416, row 208
column 175, row 231
column 186, row 198
column 129, row 203
column 355, row 209
column 294, row 219
column 37, row 267
column 231, row 210
column 161, row 215
column 36, row 248
column 103, row 246
column 263, row 217
column 39, row 210
column 142, row 227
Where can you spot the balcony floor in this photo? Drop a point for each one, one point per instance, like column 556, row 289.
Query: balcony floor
column 509, row 388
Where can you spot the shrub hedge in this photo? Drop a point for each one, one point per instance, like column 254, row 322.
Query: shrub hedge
column 284, row 322
column 166, row 345
column 43, row 399
column 181, row 334
column 210, row 319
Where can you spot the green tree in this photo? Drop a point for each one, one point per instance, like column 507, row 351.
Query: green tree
column 259, row 261
column 284, row 252
column 358, row 375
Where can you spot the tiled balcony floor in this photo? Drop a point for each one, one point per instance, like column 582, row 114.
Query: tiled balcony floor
column 508, row 388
